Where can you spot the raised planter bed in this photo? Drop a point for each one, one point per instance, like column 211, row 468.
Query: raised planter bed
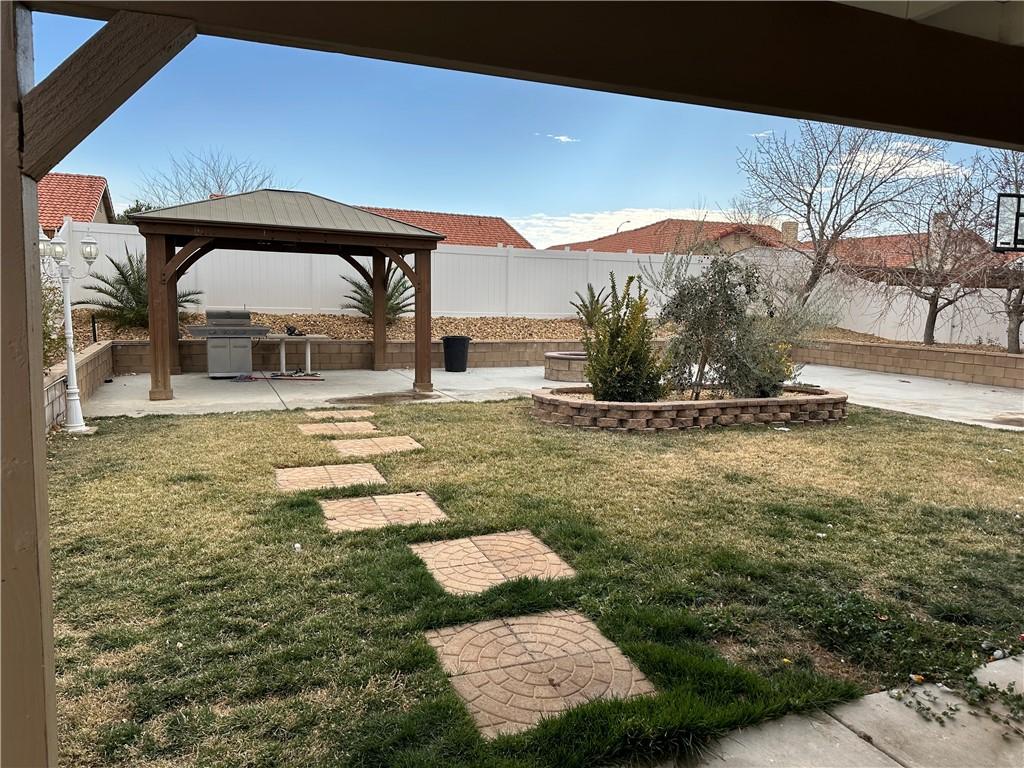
column 565, row 366
column 805, row 405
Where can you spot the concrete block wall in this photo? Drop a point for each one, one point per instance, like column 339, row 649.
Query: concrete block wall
column 976, row 367
column 93, row 365
column 333, row 355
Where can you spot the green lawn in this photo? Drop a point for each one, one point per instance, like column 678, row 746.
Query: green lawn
column 748, row 573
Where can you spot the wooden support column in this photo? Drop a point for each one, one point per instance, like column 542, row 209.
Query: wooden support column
column 380, row 328
column 172, row 325
column 159, row 320
column 28, row 713
column 422, row 382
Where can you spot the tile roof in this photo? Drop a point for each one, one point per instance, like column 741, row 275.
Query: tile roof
column 900, row 251
column 459, row 228
column 287, row 209
column 669, row 235
column 69, row 194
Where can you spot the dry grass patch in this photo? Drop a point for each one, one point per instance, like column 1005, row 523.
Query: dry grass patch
column 191, row 631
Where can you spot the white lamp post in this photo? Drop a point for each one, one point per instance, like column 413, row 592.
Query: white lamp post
column 57, row 250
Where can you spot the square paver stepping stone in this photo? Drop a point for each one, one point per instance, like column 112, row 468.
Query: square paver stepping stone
column 472, row 565
column 380, row 511
column 372, row 446
column 513, row 672
column 339, row 415
column 328, row 476
column 338, row 428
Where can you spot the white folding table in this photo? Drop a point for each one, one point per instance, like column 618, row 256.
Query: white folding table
column 283, row 338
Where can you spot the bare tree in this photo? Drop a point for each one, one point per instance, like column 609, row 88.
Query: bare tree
column 836, row 182
column 945, row 255
column 193, row 176
column 1007, row 170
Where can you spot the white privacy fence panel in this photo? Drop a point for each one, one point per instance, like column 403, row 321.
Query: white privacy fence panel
column 475, row 281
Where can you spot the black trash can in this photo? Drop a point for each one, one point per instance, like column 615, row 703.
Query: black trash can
column 456, row 353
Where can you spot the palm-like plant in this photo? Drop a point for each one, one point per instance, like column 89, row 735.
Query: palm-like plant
column 126, row 292
column 592, row 307
column 398, row 295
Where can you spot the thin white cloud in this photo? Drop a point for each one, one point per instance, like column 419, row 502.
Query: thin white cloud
column 561, row 138
column 543, row 229
column 761, row 134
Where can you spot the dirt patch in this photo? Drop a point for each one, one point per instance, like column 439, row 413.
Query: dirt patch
column 843, row 334
column 349, row 327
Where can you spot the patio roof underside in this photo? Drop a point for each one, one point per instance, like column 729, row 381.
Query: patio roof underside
column 286, row 222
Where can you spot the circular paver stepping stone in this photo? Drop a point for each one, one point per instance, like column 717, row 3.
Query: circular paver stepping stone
column 513, row 672
column 475, row 564
column 337, row 428
column 327, row 476
column 371, row 446
column 380, row 511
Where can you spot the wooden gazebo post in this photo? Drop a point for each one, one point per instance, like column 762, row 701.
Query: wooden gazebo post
column 380, row 331
column 421, row 382
column 159, row 319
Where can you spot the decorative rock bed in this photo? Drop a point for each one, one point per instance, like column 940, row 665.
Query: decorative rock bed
column 565, row 366
column 804, row 405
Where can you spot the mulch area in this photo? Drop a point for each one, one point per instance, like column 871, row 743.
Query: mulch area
column 842, row 334
column 356, row 328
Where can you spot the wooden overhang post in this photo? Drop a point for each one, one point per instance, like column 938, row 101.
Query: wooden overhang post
column 160, row 310
column 421, row 382
column 380, row 329
column 41, row 125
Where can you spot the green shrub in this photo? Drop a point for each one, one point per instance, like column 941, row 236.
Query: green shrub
column 398, row 295
column 622, row 364
column 729, row 336
column 126, row 292
column 592, row 307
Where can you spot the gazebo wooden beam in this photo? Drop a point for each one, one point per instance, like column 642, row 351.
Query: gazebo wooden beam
column 351, row 261
column 267, row 235
column 398, row 259
column 194, row 250
column 380, row 327
column 159, row 319
column 94, row 81
column 421, row 382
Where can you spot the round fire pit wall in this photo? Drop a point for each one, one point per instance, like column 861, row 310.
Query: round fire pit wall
column 565, row 366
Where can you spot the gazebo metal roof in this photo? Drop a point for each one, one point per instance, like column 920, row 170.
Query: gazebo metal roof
column 284, row 209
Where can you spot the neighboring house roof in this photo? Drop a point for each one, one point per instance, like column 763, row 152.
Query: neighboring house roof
column 71, row 194
column 459, row 228
column 285, row 209
column 900, row 251
column 667, row 235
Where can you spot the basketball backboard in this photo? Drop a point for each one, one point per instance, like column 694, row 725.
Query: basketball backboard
column 1009, row 235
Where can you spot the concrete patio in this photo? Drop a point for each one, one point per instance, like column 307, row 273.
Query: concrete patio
column 195, row 393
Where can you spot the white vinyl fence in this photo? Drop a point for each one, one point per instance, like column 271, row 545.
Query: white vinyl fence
column 476, row 281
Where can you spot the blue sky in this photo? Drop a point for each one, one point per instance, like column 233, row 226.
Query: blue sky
column 379, row 133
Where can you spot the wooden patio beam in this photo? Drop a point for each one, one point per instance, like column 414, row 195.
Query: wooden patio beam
column 380, row 328
column 358, row 267
column 399, row 261
column 196, row 248
column 94, row 81
column 421, row 381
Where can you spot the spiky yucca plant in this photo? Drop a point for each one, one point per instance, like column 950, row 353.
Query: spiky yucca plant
column 592, row 307
column 126, row 292
column 398, row 295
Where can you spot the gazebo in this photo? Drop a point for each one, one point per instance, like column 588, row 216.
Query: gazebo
column 286, row 222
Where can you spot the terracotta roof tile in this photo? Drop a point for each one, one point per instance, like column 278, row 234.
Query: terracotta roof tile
column 459, row 228
column 69, row 194
column 668, row 235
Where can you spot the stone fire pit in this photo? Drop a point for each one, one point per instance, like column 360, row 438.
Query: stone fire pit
column 803, row 405
column 565, row 366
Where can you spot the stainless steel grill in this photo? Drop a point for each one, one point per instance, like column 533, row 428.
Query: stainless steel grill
column 229, row 334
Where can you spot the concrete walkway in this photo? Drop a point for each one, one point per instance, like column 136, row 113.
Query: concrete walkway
column 195, row 393
column 938, row 398
column 883, row 731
